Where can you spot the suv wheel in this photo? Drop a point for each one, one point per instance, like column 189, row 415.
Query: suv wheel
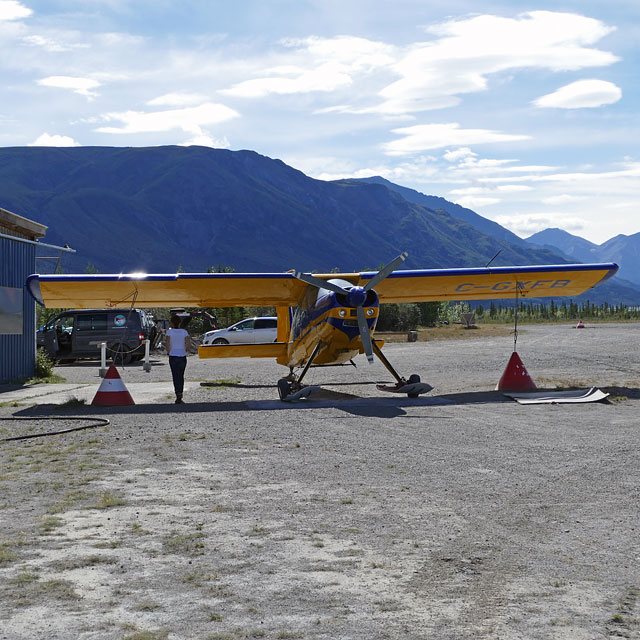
column 120, row 354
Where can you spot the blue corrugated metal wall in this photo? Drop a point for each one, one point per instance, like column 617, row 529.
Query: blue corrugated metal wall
column 17, row 353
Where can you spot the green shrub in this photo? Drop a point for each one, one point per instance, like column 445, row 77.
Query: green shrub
column 44, row 364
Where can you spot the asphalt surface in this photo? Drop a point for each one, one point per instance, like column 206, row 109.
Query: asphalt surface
column 354, row 514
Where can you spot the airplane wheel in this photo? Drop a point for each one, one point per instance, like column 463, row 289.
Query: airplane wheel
column 413, row 379
column 284, row 388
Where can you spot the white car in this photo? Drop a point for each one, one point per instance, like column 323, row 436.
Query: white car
column 249, row 331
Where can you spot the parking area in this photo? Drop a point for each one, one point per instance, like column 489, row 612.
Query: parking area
column 359, row 515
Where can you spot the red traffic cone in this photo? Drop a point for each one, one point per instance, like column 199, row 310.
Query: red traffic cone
column 580, row 325
column 515, row 376
column 112, row 392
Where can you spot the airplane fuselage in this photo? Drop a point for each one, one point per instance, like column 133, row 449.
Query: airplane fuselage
column 330, row 319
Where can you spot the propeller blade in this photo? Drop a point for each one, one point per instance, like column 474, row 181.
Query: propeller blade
column 365, row 336
column 321, row 284
column 385, row 271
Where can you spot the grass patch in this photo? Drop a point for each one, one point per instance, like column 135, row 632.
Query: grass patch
column 54, row 378
column 147, row 635
column 49, row 525
column 67, row 502
column 147, row 605
column 257, row 530
column 189, row 544
column 221, row 382
column 199, row 578
column 26, row 589
column 448, row 332
column 108, row 500
column 82, row 562
column 7, row 554
column 73, row 403
column 137, row 530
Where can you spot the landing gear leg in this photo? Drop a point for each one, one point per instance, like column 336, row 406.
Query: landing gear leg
column 412, row 387
column 292, row 385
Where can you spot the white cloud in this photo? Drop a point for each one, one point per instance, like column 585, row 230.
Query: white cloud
column 581, row 94
column 458, row 154
column 505, row 188
column 207, row 141
column 357, row 54
column 433, row 74
column 326, row 77
column 525, row 225
column 631, row 170
column 476, row 201
column 13, row 10
column 622, row 205
column 320, row 64
column 434, row 136
column 189, row 119
column 177, row 100
column 563, row 198
column 46, row 140
column 51, row 44
column 82, row 86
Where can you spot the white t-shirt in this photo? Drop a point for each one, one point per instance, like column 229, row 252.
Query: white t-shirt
column 177, row 337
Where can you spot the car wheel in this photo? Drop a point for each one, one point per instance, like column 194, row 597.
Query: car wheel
column 120, row 354
column 220, row 341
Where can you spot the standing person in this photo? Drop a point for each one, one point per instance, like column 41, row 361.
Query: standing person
column 177, row 345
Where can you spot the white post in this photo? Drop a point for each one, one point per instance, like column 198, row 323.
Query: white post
column 147, row 365
column 103, row 359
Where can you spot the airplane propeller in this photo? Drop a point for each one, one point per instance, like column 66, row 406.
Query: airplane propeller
column 356, row 296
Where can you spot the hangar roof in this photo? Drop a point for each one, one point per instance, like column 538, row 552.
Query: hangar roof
column 14, row 225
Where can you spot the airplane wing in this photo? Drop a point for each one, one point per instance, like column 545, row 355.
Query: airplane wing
column 97, row 291
column 284, row 289
column 538, row 281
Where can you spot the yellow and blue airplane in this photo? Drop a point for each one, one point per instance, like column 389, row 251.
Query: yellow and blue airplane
column 323, row 319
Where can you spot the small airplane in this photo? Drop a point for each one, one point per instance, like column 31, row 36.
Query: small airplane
column 323, row 319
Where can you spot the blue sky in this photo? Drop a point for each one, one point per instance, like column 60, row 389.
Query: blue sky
column 526, row 112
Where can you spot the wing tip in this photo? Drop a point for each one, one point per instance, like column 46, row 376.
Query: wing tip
column 33, row 287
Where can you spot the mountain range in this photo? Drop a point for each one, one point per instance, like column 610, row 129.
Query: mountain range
column 622, row 249
column 161, row 209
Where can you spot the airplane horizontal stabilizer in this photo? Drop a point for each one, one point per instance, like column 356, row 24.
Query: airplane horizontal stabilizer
column 269, row 350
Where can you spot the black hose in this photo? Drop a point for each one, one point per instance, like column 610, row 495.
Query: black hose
column 99, row 422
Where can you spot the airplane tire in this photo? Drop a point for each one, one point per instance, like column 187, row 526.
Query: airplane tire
column 284, row 388
column 413, row 379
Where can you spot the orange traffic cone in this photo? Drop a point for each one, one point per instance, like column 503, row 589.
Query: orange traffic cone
column 112, row 392
column 515, row 376
column 580, row 325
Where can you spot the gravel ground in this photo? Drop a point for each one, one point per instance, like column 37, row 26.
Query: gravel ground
column 354, row 515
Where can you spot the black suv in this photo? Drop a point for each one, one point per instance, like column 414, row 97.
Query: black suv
column 79, row 332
